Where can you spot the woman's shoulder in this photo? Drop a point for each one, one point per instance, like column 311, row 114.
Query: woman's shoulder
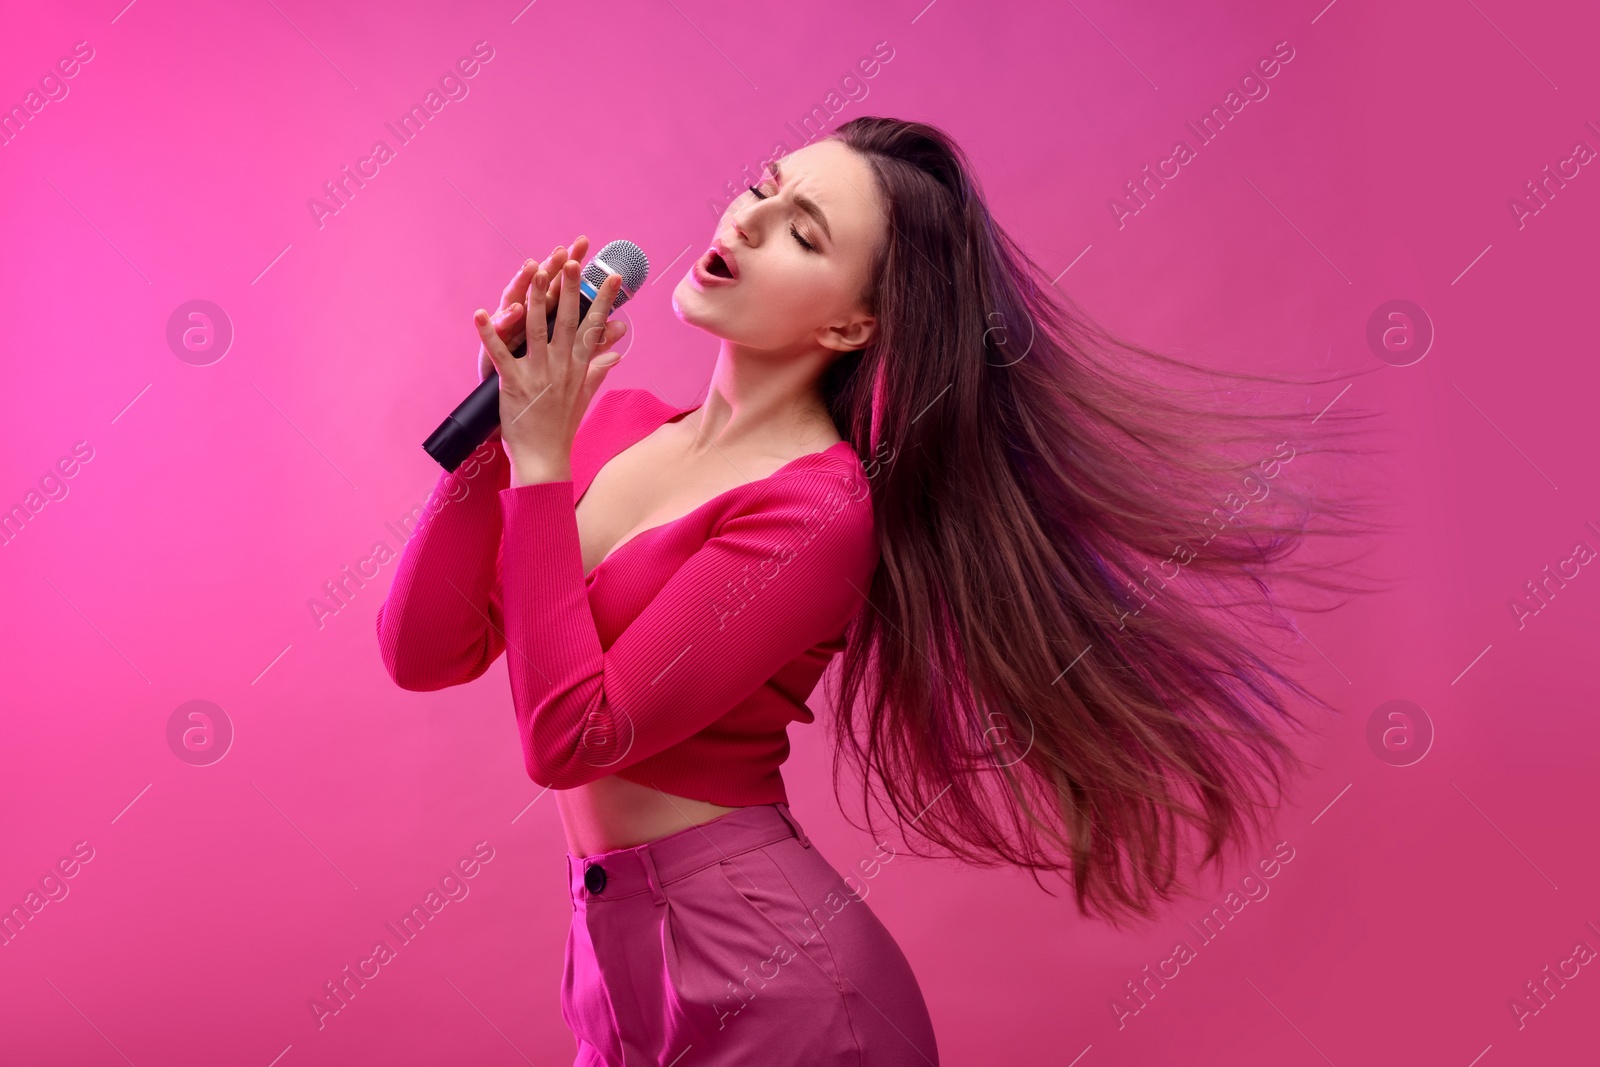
column 842, row 472
column 621, row 398
column 617, row 411
column 822, row 495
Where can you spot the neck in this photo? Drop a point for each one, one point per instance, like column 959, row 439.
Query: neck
column 758, row 396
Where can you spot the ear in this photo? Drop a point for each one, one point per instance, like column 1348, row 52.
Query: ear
column 849, row 336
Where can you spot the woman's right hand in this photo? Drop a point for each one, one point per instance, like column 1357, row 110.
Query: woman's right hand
column 510, row 319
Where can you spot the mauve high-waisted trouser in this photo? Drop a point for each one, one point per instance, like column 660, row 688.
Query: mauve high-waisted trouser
column 734, row 942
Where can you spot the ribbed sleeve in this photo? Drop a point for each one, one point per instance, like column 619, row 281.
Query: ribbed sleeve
column 784, row 573
column 441, row 624
column 687, row 652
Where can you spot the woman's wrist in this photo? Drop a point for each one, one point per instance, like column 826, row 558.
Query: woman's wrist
column 533, row 470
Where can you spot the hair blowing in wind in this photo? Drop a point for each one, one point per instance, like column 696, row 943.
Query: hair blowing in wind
column 1065, row 660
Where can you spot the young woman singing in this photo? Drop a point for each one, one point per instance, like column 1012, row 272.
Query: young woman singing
column 912, row 452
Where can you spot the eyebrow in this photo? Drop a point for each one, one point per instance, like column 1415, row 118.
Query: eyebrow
column 805, row 203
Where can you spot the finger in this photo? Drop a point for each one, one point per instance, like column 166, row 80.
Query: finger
column 561, row 253
column 553, row 265
column 556, row 261
column 538, row 346
column 508, row 313
column 519, row 283
column 573, row 254
column 499, row 355
column 594, row 325
column 552, row 292
column 576, row 250
column 508, row 324
column 567, row 310
column 519, row 280
column 603, row 354
column 600, row 365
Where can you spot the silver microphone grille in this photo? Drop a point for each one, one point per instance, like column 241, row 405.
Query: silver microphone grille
column 619, row 257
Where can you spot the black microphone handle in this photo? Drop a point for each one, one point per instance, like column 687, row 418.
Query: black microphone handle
column 475, row 418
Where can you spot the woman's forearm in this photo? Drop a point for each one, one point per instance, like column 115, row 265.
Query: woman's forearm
column 440, row 624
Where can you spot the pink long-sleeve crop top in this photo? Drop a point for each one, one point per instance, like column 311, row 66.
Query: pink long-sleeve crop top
column 681, row 659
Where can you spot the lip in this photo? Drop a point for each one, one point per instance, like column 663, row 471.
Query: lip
column 705, row 277
column 727, row 257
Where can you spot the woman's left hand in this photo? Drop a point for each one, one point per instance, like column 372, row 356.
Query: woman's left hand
column 543, row 395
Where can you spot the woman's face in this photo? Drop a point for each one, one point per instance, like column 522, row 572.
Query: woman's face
column 801, row 272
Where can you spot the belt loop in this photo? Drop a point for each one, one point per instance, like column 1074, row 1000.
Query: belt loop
column 657, row 894
column 788, row 817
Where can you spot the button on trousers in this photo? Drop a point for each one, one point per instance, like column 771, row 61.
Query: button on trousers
column 734, row 942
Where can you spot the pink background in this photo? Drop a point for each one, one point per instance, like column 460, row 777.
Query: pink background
column 219, row 498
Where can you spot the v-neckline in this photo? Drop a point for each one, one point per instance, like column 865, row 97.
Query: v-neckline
column 650, row 429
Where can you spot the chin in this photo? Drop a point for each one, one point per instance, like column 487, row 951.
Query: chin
column 694, row 309
column 689, row 304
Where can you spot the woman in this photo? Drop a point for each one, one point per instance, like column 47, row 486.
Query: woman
column 1020, row 657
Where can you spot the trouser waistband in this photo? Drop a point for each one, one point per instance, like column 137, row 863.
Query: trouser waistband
column 647, row 868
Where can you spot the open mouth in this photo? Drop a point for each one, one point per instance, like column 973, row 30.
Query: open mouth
column 715, row 265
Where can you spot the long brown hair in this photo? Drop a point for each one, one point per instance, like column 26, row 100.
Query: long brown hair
column 1064, row 647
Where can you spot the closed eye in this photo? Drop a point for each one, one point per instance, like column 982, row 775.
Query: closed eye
column 807, row 245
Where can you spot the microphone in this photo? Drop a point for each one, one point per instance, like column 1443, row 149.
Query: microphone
column 475, row 418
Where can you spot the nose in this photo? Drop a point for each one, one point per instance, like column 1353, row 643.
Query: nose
column 746, row 224
column 738, row 220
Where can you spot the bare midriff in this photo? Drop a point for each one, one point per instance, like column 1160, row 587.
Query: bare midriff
column 614, row 813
